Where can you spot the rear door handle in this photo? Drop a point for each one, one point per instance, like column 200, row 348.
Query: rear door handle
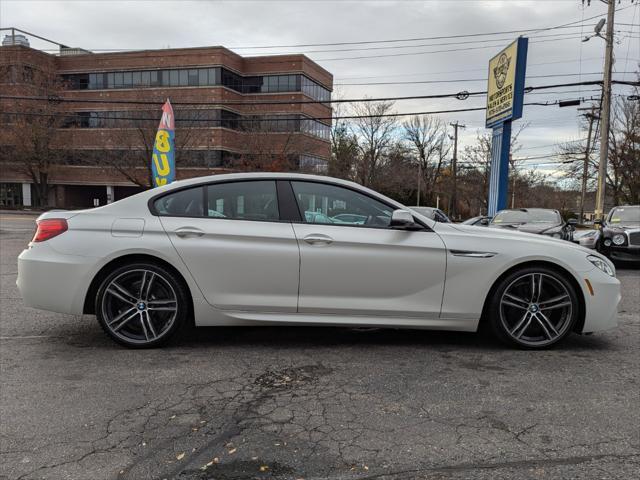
column 318, row 239
column 184, row 232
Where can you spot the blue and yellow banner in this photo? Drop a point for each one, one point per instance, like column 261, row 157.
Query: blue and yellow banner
column 163, row 165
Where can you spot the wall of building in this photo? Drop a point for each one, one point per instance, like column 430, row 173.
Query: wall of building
column 87, row 149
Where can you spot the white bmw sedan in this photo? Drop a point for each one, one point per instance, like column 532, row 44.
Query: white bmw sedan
column 291, row 249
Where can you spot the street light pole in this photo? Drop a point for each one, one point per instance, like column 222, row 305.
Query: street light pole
column 454, row 170
column 605, row 113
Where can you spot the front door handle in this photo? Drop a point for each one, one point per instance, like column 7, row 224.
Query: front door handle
column 184, row 232
column 318, row 239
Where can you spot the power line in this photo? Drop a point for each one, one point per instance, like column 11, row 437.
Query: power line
column 462, row 80
column 340, row 117
column 459, row 95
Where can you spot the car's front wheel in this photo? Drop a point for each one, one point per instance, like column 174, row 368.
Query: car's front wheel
column 141, row 305
column 533, row 308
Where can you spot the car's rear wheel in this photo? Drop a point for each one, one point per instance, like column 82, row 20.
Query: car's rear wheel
column 533, row 308
column 141, row 305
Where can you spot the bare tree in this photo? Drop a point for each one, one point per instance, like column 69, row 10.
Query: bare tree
column 375, row 133
column 429, row 142
column 135, row 135
column 344, row 146
column 34, row 135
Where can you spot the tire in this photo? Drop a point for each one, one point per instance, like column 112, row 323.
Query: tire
column 142, row 305
column 533, row 308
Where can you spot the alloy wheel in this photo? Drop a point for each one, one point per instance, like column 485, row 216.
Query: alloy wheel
column 139, row 306
column 536, row 309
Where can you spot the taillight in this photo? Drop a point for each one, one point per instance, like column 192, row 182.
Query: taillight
column 49, row 228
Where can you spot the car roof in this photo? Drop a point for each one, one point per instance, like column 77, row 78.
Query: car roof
column 180, row 184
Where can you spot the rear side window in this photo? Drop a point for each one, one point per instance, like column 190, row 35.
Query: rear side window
column 253, row 200
column 184, row 203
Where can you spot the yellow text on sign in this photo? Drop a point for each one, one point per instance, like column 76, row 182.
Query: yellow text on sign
column 162, row 141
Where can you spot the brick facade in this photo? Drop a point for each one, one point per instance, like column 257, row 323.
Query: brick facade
column 225, row 143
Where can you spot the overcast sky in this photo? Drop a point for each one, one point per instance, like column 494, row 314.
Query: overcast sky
column 240, row 24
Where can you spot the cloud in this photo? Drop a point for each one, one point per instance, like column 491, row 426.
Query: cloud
column 145, row 24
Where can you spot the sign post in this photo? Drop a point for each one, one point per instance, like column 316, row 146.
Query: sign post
column 505, row 95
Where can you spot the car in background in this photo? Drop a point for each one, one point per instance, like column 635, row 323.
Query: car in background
column 432, row 213
column 620, row 234
column 479, row 221
column 587, row 238
column 542, row 221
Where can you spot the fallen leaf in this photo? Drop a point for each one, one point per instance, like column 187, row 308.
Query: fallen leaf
column 264, row 468
column 172, row 417
column 180, row 456
column 232, row 451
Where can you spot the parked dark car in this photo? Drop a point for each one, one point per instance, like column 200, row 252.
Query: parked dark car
column 542, row 221
column 432, row 213
column 480, row 221
column 620, row 234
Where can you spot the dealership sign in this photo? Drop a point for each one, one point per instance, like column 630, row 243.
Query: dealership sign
column 163, row 166
column 505, row 94
column 505, row 88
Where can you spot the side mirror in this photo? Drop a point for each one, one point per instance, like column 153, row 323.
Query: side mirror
column 598, row 221
column 484, row 221
column 402, row 219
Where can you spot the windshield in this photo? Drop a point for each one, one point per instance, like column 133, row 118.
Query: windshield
column 625, row 215
column 527, row 216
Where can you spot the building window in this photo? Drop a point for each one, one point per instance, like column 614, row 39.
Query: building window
column 196, row 77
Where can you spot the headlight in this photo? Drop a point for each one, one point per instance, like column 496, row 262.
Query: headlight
column 618, row 239
column 602, row 265
column 607, row 243
column 554, row 232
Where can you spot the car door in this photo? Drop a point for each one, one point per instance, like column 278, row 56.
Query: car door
column 364, row 268
column 231, row 238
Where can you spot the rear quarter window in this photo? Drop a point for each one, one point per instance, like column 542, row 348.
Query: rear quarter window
column 184, row 203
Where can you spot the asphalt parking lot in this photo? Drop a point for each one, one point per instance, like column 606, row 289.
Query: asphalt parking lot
column 310, row 403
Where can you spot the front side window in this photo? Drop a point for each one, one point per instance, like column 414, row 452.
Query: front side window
column 330, row 204
column 184, row 203
column 252, row 200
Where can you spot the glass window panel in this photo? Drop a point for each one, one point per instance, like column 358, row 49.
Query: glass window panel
column 183, row 203
column 330, row 204
column 145, row 78
column 127, row 79
column 214, row 76
column 184, row 77
column 174, row 78
column 255, row 200
column 137, row 79
column 118, row 80
column 193, row 77
column 202, row 77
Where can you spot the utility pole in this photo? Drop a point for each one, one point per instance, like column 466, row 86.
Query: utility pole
column 605, row 112
column 454, row 170
column 591, row 116
column 419, row 175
